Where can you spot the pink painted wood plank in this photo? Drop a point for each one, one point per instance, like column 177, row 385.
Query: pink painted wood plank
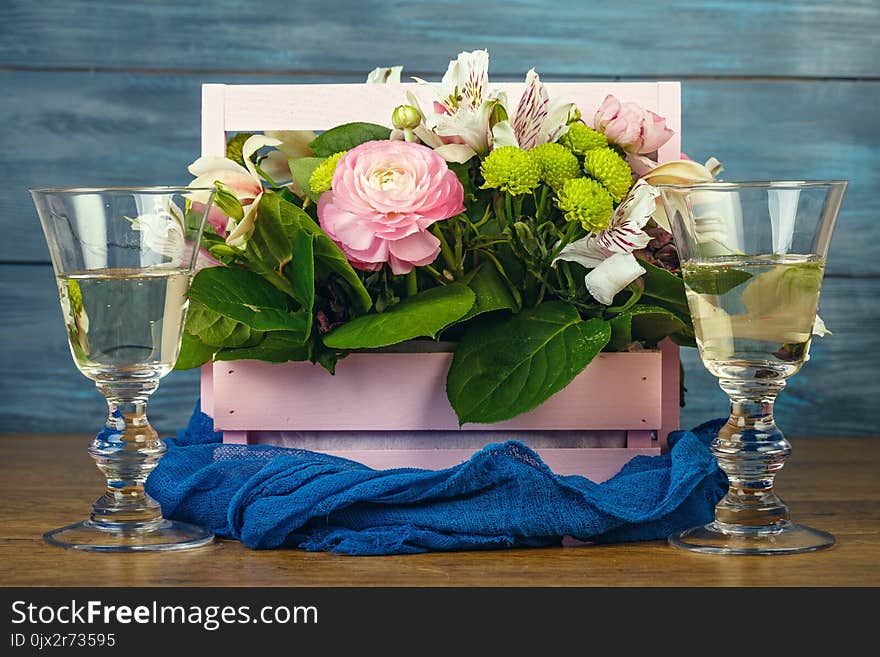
column 407, row 391
column 669, row 107
column 322, row 106
column 596, row 463
column 206, row 385
column 214, row 119
column 639, row 439
column 236, row 438
column 671, row 394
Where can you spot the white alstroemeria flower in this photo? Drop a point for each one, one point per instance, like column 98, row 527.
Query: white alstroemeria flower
column 537, row 119
column 162, row 230
column 464, row 110
column 677, row 172
column 244, row 182
column 385, row 75
column 608, row 254
column 294, row 144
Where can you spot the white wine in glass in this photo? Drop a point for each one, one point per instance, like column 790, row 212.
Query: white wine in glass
column 753, row 256
column 123, row 261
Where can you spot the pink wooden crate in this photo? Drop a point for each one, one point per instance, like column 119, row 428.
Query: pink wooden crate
column 390, row 409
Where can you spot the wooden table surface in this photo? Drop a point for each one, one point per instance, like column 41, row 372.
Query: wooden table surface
column 48, row 480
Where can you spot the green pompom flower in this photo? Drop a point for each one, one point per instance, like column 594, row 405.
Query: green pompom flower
column 556, row 164
column 580, row 139
column 606, row 166
column 510, row 169
column 322, row 177
column 585, row 201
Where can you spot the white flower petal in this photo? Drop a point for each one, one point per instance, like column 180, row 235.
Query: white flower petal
column 556, row 122
column 584, row 252
column 276, row 166
column 503, row 134
column 243, row 229
column 819, row 328
column 531, row 111
column 251, row 146
column 427, row 137
column 211, row 163
column 459, row 153
column 385, row 75
column 294, row 143
column 611, row 276
column 466, row 78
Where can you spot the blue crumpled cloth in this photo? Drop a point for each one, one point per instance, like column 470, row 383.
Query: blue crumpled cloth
column 503, row 496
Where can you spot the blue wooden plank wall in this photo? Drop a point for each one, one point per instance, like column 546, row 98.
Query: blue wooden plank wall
column 106, row 92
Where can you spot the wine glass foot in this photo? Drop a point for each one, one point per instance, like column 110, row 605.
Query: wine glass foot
column 160, row 536
column 787, row 538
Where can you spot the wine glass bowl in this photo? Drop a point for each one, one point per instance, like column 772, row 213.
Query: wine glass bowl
column 753, row 257
column 123, row 261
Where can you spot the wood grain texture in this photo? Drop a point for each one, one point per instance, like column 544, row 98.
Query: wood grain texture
column 116, row 129
column 602, row 39
column 829, row 483
column 774, row 89
column 42, row 391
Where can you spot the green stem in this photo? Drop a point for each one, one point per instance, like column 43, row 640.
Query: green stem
column 269, row 180
column 445, row 249
column 636, row 290
column 435, row 274
column 542, row 202
column 508, row 209
column 486, row 216
column 412, row 283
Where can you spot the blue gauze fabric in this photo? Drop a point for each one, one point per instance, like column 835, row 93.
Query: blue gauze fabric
column 503, row 496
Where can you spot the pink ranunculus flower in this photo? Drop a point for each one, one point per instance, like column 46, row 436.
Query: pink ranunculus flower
column 384, row 196
column 633, row 128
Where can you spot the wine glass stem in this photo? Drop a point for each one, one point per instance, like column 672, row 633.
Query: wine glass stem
column 751, row 449
column 126, row 451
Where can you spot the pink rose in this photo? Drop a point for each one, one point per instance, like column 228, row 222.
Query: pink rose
column 384, row 196
column 631, row 127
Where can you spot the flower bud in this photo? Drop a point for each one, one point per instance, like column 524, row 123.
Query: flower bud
column 406, row 117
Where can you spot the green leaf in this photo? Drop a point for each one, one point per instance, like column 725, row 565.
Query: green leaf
column 328, row 258
column 346, row 136
column 663, row 285
column 505, row 366
column 193, row 353
column 301, row 270
column 302, row 168
column 247, row 297
column 711, row 280
column 421, row 315
column 275, row 347
column 215, row 330
column 643, row 322
column 268, row 246
column 491, row 292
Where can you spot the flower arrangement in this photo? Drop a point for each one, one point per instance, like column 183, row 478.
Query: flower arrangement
column 529, row 236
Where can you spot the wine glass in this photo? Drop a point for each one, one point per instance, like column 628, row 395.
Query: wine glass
column 123, row 261
column 753, row 256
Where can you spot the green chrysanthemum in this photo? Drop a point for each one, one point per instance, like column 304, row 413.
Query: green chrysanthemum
column 511, row 170
column 322, row 176
column 580, row 139
column 585, row 201
column 606, row 166
column 556, row 164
